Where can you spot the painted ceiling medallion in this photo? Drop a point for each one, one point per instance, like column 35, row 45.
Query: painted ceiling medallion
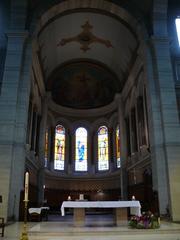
column 85, row 38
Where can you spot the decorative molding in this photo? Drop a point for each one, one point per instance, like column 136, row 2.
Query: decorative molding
column 101, row 111
column 103, row 6
column 17, row 34
column 60, row 176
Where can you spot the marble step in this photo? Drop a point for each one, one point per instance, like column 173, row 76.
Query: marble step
column 56, row 229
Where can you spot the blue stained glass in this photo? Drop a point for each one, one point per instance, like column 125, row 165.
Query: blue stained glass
column 81, row 150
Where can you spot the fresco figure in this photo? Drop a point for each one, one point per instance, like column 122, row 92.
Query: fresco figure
column 103, row 149
column 59, row 149
column 81, row 151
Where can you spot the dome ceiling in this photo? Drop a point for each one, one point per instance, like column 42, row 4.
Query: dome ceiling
column 76, row 51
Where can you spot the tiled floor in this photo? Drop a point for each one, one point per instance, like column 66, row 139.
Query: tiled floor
column 101, row 229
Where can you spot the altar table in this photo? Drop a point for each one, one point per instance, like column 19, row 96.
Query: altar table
column 120, row 209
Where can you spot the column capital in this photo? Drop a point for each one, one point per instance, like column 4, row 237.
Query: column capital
column 159, row 17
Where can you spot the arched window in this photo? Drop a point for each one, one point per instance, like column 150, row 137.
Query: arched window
column 46, row 148
column 178, row 29
column 118, row 154
column 59, row 148
column 81, row 149
column 103, row 160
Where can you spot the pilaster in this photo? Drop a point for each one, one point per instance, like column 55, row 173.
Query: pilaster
column 14, row 100
column 123, row 151
column 170, row 144
column 42, row 152
column 163, row 116
column 110, row 149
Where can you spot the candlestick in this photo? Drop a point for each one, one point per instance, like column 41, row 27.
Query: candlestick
column 24, row 235
column 26, row 188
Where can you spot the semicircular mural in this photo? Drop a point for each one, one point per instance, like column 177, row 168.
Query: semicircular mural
column 83, row 85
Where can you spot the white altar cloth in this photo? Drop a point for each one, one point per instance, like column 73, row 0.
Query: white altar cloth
column 134, row 205
column 34, row 210
column 37, row 210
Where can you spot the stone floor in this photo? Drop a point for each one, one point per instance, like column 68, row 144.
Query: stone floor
column 97, row 228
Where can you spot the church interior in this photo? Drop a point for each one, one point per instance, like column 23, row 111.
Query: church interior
column 90, row 104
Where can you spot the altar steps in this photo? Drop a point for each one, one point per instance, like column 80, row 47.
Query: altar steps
column 58, row 231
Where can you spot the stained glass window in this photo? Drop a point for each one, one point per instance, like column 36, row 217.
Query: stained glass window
column 178, row 29
column 81, row 150
column 103, row 160
column 46, row 148
column 118, row 155
column 59, row 148
column 134, row 131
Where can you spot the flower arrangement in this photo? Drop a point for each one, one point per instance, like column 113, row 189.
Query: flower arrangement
column 146, row 221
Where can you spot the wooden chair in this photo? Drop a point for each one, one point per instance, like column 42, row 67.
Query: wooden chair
column 2, row 226
column 35, row 217
column 34, row 214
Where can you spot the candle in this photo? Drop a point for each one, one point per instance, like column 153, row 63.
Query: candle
column 26, row 188
column 133, row 197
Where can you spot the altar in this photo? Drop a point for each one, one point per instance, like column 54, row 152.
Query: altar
column 119, row 209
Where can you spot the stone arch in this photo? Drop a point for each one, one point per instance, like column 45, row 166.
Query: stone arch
column 99, row 122
column 112, row 9
column 63, row 121
column 157, row 77
column 83, row 123
column 105, row 6
column 113, row 120
column 66, row 7
column 127, row 107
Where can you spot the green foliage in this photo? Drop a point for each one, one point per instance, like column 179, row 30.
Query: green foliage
column 146, row 221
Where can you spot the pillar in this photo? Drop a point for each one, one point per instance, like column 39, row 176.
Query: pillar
column 14, row 113
column 163, row 116
column 123, row 156
column 14, row 100
column 42, row 136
